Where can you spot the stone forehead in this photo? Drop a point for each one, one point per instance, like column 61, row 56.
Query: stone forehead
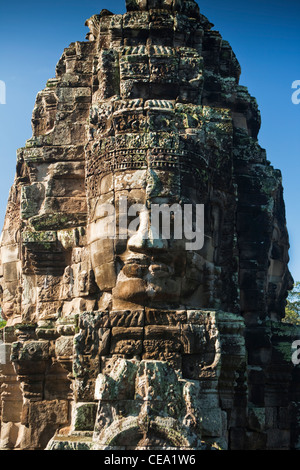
column 141, row 184
column 182, row 149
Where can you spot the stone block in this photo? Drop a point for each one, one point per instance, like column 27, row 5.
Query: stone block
column 64, row 346
column 126, row 318
column 48, row 417
column 165, row 317
column 193, row 338
column 84, row 416
column 126, row 341
column 212, row 422
column 30, row 351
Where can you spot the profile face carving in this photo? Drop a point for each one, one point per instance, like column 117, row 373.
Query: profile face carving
column 147, row 264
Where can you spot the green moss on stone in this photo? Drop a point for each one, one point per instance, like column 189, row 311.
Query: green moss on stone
column 56, row 221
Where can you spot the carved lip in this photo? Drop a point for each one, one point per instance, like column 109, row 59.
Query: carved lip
column 142, row 262
column 138, row 266
column 160, row 270
column 161, row 267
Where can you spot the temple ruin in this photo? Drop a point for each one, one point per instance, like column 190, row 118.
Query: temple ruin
column 135, row 342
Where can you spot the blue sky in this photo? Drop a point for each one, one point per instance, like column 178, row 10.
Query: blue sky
column 264, row 34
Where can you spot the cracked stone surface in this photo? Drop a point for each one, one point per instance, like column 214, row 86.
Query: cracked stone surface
column 136, row 342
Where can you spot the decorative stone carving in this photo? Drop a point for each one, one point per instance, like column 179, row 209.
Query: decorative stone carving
column 124, row 337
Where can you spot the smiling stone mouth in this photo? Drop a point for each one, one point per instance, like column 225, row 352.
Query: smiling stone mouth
column 159, row 267
column 137, row 267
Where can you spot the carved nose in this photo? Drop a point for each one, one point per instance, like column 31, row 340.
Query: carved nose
column 147, row 238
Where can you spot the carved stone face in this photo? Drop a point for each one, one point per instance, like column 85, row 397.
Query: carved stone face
column 148, row 265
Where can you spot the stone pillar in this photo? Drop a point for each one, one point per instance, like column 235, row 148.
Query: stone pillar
column 45, row 384
column 10, row 395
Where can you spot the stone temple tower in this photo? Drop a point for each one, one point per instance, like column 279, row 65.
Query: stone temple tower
column 137, row 340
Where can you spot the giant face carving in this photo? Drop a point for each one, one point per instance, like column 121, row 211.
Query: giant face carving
column 158, row 260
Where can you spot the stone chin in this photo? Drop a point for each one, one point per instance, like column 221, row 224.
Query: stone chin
column 158, row 287
column 142, row 291
column 145, row 279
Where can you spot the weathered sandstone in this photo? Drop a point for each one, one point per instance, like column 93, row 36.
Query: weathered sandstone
column 137, row 342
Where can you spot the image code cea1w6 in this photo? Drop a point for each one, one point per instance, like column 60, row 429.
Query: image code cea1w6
column 173, row 459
